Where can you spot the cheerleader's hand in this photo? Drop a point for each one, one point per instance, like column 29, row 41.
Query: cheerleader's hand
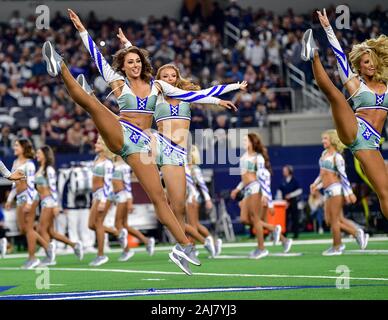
column 130, row 206
column 244, row 85
column 17, row 175
column 76, row 21
column 56, row 211
column 227, row 105
column 323, row 19
column 233, row 194
column 7, row 206
column 351, row 199
column 264, row 201
column 101, row 206
column 27, row 208
column 208, row 205
column 123, row 39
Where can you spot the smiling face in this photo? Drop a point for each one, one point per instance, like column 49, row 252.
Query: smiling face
column 99, row 147
column 169, row 75
column 247, row 144
column 40, row 156
column 132, row 65
column 17, row 149
column 367, row 68
column 326, row 141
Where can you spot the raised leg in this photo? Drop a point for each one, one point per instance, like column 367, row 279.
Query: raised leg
column 344, row 118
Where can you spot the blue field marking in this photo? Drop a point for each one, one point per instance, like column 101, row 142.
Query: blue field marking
column 5, row 288
column 98, row 294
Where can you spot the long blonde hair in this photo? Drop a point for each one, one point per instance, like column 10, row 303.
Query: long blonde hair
column 181, row 82
column 334, row 140
column 106, row 152
column 378, row 51
column 195, row 157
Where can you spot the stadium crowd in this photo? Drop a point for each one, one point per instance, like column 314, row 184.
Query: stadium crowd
column 34, row 104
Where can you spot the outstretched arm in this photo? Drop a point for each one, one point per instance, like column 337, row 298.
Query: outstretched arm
column 348, row 78
column 113, row 78
column 201, row 96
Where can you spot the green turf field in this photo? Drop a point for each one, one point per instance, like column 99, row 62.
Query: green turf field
column 309, row 276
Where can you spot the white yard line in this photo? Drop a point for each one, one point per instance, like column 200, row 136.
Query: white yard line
column 225, row 245
column 207, row 274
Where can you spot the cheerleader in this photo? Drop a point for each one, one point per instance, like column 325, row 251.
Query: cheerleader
column 102, row 198
column 333, row 179
column 46, row 185
column 26, row 194
column 121, row 182
column 359, row 130
column 195, row 179
column 14, row 176
column 131, row 84
column 252, row 164
column 267, row 205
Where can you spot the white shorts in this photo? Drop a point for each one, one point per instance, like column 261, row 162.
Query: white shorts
column 251, row 188
column 48, row 202
column 122, row 196
column 333, row 190
column 99, row 194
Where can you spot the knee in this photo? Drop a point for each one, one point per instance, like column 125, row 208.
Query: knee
column 92, row 226
column 158, row 199
column 179, row 207
column 244, row 220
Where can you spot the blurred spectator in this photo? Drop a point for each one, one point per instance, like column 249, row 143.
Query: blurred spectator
column 198, row 118
column 221, row 121
column 75, row 136
column 290, row 191
column 195, row 43
column 6, row 140
column 246, row 115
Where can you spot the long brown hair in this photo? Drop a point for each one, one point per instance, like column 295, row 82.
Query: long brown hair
column 181, row 82
column 49, row 158
column 28, row 149
column 258, row 146
column 146, row 68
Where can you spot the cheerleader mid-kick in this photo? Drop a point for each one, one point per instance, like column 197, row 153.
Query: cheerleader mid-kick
column 359, row 130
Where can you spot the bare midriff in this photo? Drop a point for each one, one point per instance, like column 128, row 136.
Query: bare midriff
column 98, row 183
column 328, row 178
column 375, row 117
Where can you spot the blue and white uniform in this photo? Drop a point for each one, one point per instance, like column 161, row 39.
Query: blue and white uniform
column 265, row 185
column 252, row 163
column 49, row 180
column 122, row 172
column 135, row 140
column 199, row 181
column 334, row 163
column 368, row 138
column 104, row 169
column 192, row 193
column 30, row 194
